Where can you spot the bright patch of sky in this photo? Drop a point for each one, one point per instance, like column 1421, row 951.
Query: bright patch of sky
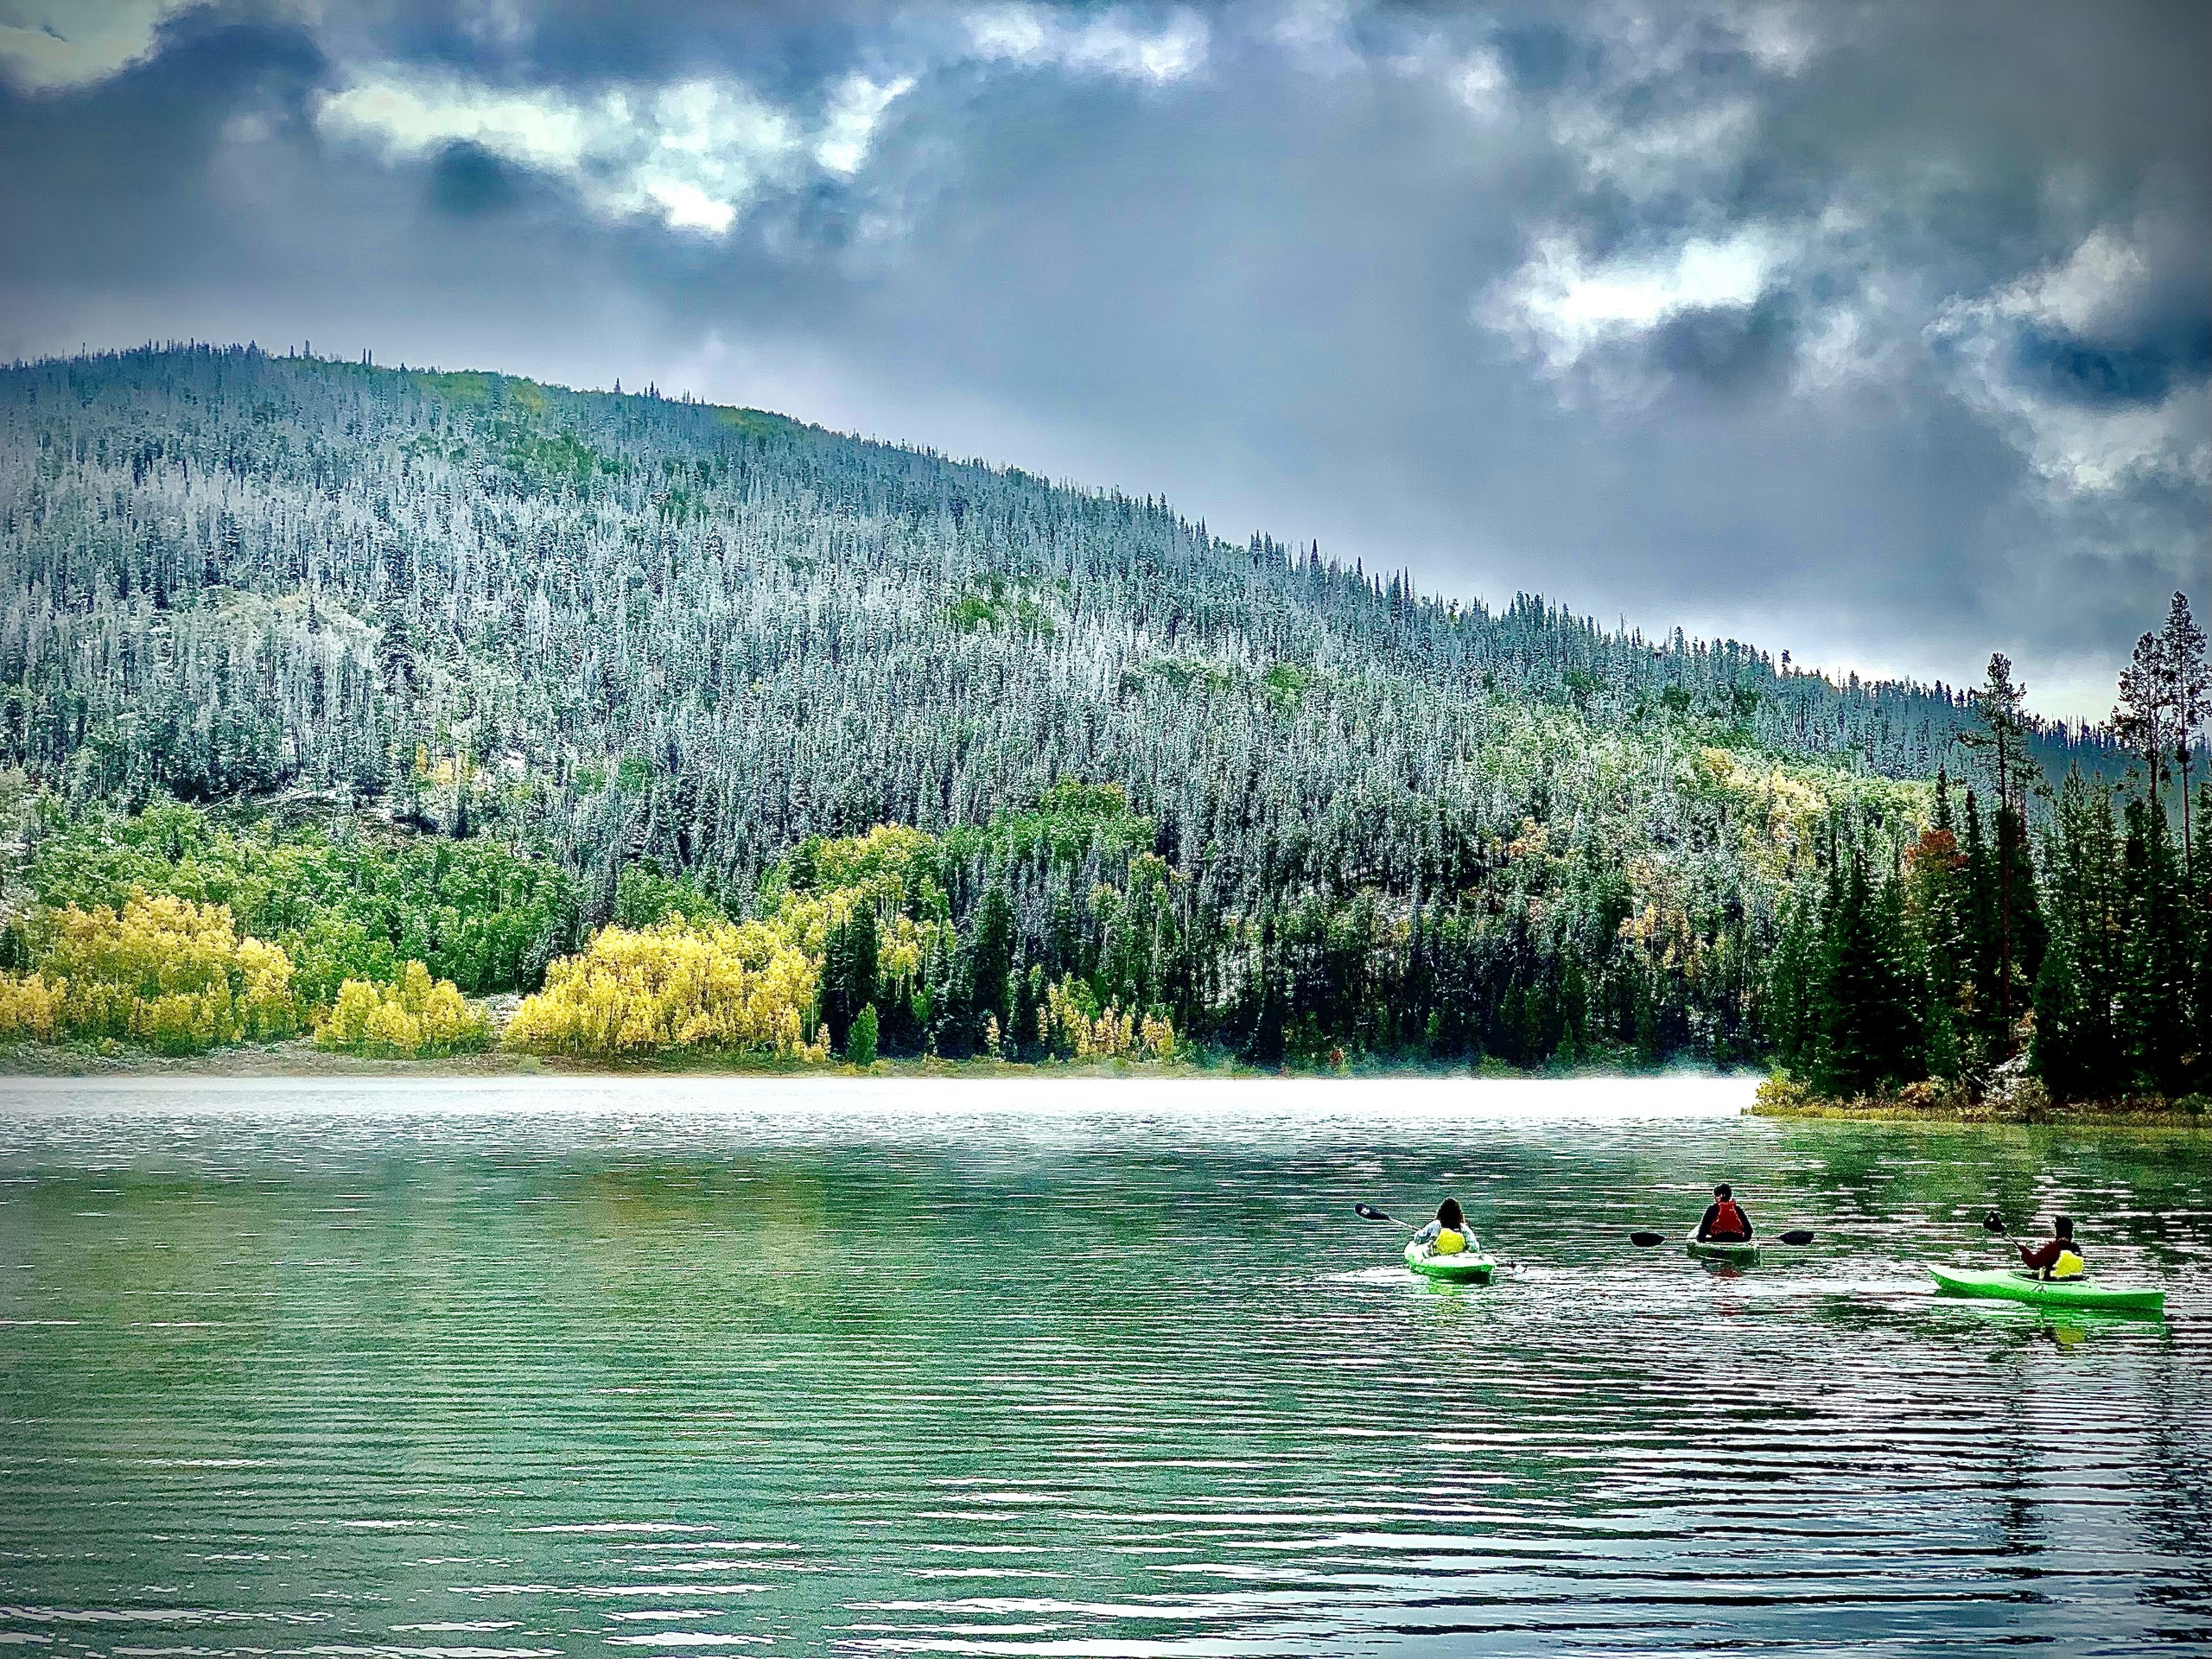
column 694, row 154
column 47, row 44
column 1561, row 305
column 1111, row 43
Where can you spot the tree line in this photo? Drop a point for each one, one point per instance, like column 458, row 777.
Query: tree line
column 2061, row 930
column 625, row 659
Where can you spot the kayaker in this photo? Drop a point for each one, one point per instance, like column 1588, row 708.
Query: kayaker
column 2056, row 1256
column 1447, row 1234
column 1724, row 1221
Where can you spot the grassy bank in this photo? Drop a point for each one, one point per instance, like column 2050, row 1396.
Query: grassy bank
column 2024, row 1101
column 303, row 1058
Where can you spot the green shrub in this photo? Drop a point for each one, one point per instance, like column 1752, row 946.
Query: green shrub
column 859, row 1046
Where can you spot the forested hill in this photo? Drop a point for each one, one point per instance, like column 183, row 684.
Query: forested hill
column 613, row 628
column 228, row 571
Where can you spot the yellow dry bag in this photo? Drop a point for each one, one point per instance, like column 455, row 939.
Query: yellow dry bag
column 1450, row 1243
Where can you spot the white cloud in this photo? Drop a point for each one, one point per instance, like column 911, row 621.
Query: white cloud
column 1639, row 112
column 53, row 43
column 1651, row 155
column 694, row 155
column 856, row 109
column 1111, row 43
column 1479, row 81
column 410, row 114
column 1318, row 34
column 1780, row 39
column 2079, row 448
column 501, row 24
column 1560, row 307
column 2087, row 292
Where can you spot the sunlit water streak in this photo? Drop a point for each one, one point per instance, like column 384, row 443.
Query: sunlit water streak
column 437, row 1368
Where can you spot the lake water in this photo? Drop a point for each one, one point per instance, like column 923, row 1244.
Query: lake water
column 539, row 1367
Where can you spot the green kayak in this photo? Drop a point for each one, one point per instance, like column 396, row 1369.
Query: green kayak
column 1463, row 1268
column 2016, row 1285
column 1745, row 1255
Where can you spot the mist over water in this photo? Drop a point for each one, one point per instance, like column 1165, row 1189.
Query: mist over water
column 561, row 1366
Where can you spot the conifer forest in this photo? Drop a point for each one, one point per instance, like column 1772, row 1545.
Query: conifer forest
column 336, row 699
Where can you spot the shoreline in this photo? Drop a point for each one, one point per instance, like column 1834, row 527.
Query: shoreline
column 301, row 1059
column 2020, row 1103
column 1195, row 1102
column 2090, row 1114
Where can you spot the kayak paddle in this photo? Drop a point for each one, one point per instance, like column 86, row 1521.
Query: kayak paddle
column 1795, row 1236
column 1994, row 1223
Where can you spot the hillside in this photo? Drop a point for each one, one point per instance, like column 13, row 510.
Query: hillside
column 617, row 632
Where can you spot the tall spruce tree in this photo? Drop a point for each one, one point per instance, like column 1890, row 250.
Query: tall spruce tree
column 1983, row 1003
column 2000, row 705
column 2189, row 700
column 1792, row 1012
column 2141, row 718
column 2200, row 1057
column 990, row 962
column 1871, row 1012
column 1936, row 907
column 849, row 972
column 2078, row 1051
column 2155, row 986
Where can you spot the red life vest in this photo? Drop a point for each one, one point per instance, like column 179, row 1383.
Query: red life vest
column 1728, row 1221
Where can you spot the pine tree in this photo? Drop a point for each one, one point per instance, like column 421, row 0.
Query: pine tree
column 2078, row 996
column 2000, row 705
column 2188, row 693
column 2062, row 1051
column 990, row 959
column 1027, row 999
column 2155, row 985
column 849, row 972
column 1792, row 1011
column 1936, row 901
column 2078, row 1049
column 2142, row 717
column 1871, row 1008
column 1981, row 1021
column 2200, row 1056
column 2020, row 893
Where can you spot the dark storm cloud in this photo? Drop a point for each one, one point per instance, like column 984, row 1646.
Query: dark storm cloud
column 1730, row 347
column 1880, row 333
column 468, row 179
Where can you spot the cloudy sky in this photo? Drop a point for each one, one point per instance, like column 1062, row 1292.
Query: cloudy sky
column 1880, row 333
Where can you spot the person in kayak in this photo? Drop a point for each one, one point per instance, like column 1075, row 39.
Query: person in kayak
column 1447, row 1234
column 2056, row 1256
column 1724, row 1221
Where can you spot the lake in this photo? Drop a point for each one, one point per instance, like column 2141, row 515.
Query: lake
column 556, row 1366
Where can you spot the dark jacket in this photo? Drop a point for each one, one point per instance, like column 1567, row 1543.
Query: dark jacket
column 2045, row 1256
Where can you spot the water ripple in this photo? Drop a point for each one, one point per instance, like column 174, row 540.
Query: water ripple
column 423, row 1370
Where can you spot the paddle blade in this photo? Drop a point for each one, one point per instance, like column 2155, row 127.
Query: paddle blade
column 1645, row 1241
column 1797, row 1236
column 1992, row 1222
column 1369, row 1212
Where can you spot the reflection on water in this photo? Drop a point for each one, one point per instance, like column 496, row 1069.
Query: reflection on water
column 944, row 1367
